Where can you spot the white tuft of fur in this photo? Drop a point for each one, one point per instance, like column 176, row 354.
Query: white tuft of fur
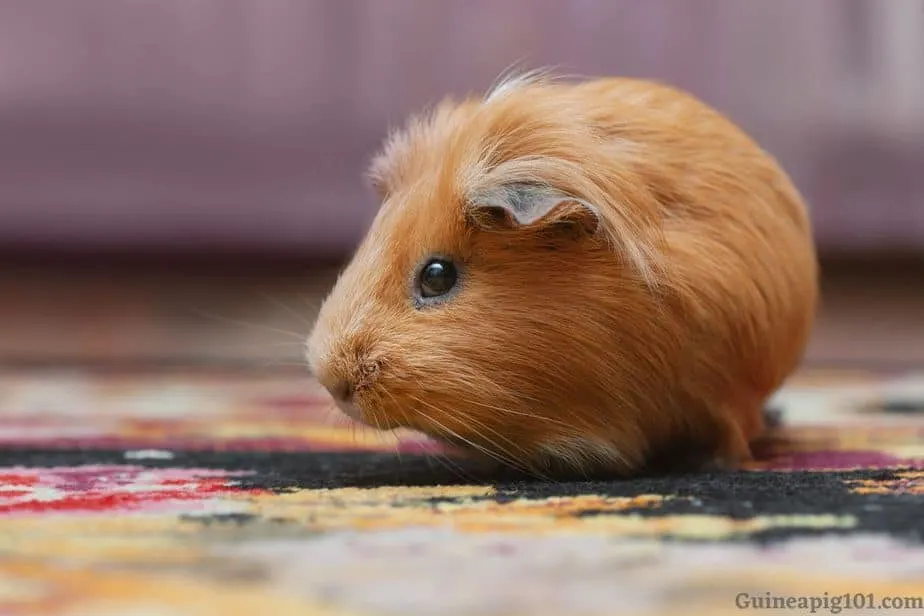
column 581, row 452
column 510, row 81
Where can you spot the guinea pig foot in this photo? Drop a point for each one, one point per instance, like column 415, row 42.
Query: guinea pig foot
column 733, row 451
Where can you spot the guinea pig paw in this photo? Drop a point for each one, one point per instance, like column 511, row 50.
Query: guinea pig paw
column 733, row 456
column 734, row 450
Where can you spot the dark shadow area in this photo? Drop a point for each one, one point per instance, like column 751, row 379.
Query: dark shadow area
column 738, row 496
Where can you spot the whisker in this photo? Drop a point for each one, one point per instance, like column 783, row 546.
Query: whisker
column 500, row 454
column 475, row 421
column 443, row 459
column 312, row 303
column 246, row 325
column 404, row 417
column 521, row 466
column 277, row 362
column 451, row 433
column 485, row 426
column 288, row 309
column 375, row 421
column 258, row 347
column 453, row 467
column 507, row 411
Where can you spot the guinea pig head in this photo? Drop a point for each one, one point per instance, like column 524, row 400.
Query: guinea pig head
column 494, row 304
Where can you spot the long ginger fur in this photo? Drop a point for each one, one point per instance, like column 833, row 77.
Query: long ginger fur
column 664, row 325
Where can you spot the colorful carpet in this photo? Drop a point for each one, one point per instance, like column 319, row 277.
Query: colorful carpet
column 207, row 494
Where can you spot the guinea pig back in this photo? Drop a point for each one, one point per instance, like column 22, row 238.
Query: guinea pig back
column 583, row 274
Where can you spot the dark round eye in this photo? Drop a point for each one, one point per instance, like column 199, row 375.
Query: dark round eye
column 437, row 277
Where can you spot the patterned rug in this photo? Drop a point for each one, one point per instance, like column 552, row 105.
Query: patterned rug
column 201, row 493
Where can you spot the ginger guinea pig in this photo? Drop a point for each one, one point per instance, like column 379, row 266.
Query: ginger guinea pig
column 586, row 275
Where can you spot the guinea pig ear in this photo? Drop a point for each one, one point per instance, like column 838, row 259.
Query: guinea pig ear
column 517, row 206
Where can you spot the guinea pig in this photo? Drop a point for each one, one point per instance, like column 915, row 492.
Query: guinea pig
column 581, row 274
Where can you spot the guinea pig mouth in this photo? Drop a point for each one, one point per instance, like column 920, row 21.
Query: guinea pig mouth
column 350, row 410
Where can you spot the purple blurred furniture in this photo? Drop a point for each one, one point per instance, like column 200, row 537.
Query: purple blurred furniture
column 170, row 124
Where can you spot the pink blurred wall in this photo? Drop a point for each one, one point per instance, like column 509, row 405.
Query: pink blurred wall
column 247, row 123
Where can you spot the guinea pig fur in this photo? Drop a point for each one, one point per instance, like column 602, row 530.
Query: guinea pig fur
column 581, row 274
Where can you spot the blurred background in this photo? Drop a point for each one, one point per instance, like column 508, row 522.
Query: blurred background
column 181, row 179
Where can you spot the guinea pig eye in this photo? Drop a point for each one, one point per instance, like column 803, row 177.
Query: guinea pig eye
column 437, row 278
